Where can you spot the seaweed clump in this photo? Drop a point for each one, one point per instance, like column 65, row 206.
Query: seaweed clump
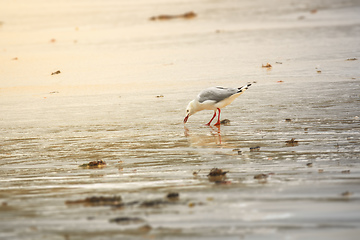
column 216, row 174
column 187, row 15
column 94, row 164
column 97, row 201
column 292, row 143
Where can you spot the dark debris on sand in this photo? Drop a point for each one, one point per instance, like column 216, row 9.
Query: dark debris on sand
column 225, row 122
column 56, row 72
column 216, row 174
column 187, row 15
column 255, row 149
column 267, row 65
column 261, row 176
column 94, row 164
column 97, row 201
column 292, row 143
column 127, row 220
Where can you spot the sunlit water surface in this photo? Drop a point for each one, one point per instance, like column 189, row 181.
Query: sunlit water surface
column 312, row 187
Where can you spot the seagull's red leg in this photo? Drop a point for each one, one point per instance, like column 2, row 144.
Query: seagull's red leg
column 218, row 122
column 211, row 118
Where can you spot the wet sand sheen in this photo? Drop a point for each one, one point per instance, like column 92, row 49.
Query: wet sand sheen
column 120, row 98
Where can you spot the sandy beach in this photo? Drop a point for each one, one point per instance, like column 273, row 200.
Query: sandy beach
column 108, row 82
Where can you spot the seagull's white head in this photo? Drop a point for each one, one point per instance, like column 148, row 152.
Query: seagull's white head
column 190, row 110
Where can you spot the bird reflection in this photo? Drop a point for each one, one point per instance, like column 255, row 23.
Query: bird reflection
column 217, row 133
column 204, row 140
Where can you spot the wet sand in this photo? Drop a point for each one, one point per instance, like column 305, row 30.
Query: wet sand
column 120, row 97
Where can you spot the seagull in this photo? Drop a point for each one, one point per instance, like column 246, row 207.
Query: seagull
column 213, row 98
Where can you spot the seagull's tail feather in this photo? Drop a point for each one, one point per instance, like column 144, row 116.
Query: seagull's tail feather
column 243, row 88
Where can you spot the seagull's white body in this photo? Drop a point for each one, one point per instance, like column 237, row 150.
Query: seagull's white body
column 213, row 98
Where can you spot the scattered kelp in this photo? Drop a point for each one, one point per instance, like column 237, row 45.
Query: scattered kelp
column 97, row 201
column 170, row 199
column 117, row 203
column 154, row 203
column 127, row 220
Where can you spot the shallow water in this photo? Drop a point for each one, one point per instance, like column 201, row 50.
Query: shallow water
column 120, row 98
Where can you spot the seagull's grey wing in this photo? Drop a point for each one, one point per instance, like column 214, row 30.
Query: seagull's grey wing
column 216, row 94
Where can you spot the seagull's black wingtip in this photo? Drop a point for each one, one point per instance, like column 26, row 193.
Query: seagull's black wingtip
column 247, row 86
column 244, row 87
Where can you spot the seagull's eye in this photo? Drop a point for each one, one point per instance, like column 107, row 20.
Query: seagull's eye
column 187, row 110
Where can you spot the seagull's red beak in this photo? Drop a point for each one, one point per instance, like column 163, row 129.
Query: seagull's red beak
column 186, row 118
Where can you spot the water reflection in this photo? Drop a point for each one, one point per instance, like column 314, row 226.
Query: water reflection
column 203, row 140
